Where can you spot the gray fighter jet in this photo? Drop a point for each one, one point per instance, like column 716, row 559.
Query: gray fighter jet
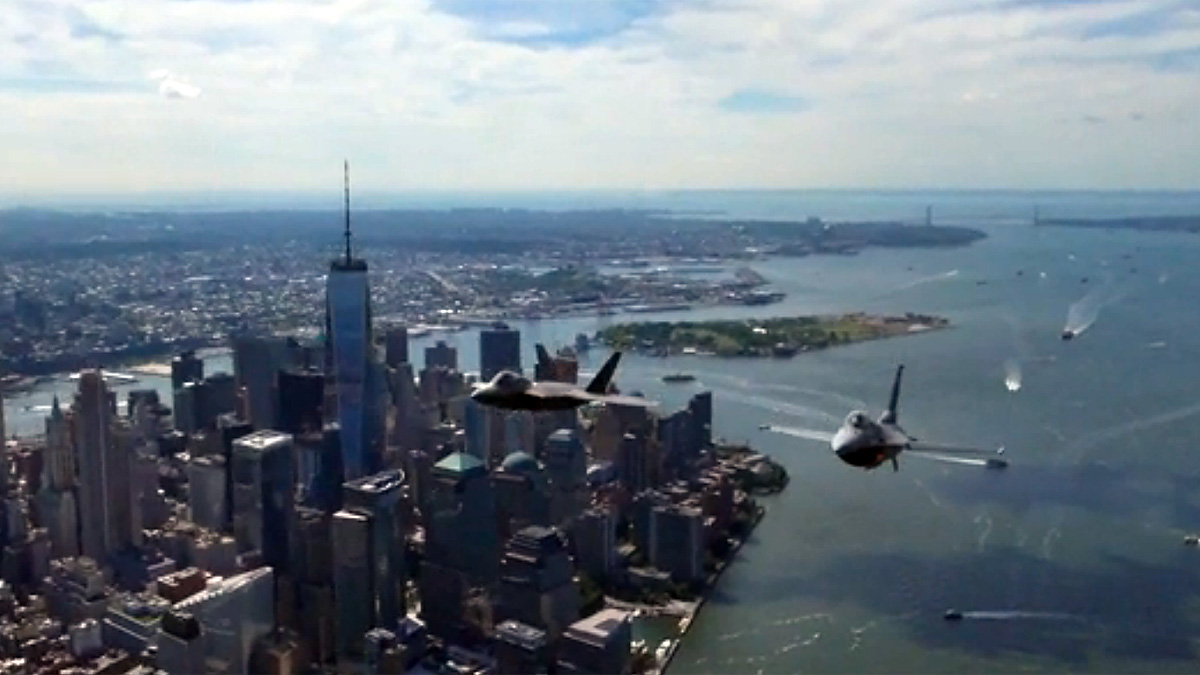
column 867, row 443
column 510, row 391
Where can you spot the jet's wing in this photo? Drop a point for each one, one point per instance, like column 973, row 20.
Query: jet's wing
column 614, row 399
column 633, row 401
column 933, row 448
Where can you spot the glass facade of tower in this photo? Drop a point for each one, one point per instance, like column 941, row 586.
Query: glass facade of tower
column 349, row 325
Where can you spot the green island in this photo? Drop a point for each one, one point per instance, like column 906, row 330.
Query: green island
column 778, row 337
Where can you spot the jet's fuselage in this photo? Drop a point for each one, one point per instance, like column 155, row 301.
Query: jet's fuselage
column 865, row 443
column 524, row 401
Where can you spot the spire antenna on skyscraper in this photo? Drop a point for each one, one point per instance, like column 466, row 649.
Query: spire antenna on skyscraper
column 346, row 183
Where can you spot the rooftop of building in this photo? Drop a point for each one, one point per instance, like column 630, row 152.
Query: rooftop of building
column 263, row 440
column 600, row 625
column 383, row 481
column 523, row 635
column 459, row 463
column 520, row 462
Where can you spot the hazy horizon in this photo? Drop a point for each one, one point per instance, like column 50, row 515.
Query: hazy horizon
column 119, row 96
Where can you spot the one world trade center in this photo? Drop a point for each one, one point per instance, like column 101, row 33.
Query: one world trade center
column 348, row 331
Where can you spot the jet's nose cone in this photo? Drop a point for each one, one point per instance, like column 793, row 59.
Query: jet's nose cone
column 843, row 440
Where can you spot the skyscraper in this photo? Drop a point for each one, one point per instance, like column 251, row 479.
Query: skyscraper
column 396, row 346
column 499, row 349
column 256, row 364
column 537, row 584
column 368, row 552
column 105, row 505
column 301, row 394
column 348, row 331
column 263, row 495
column 441, row 354
column 566, row 463
column 186, row 367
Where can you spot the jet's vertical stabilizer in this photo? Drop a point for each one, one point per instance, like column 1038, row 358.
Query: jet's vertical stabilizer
column 892, row 413
column 599, row 383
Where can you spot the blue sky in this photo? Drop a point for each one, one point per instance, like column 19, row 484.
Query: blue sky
column 134, row 96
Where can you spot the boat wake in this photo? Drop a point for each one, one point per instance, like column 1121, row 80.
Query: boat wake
column 1013, row 615
column 1083, row 313
column 1012, row 375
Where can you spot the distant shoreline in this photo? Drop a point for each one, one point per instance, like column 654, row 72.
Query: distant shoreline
column 780, row 337
column 1187, row 224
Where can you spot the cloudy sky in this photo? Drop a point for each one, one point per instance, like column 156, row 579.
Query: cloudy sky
column 115, row 96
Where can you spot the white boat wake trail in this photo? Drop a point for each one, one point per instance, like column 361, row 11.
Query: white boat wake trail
column 1016, row 614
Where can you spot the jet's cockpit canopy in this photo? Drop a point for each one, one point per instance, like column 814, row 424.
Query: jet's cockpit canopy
column 857, row 419
column 510, row 382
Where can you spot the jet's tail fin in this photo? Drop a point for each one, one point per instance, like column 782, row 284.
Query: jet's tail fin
column 543, row 356
column 891, row 415
column 599, row 383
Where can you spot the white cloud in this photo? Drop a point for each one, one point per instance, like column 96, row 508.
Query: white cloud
column 174, row 86
column 898, row 92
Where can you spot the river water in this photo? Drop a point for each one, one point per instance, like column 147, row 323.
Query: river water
column 1071, row 559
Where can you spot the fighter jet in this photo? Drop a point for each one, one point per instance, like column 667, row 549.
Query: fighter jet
column 866, row 443
column 510, row 391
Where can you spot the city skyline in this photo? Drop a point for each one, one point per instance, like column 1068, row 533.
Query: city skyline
column 607, row 94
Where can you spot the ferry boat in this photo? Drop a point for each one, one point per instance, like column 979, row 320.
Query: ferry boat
column 678, row 377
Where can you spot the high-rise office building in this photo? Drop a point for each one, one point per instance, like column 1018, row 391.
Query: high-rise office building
column 701, row 407
column 522, row 493
column 348, row 331
column 59, row 461
column 537, row 584
column 499, row 349
column 301, row 397
column 369, row 550
column 441, row 354
column 256, row 365
column 461, row 528
column 324, row 490
column 222, row 394
column 395, row 346
column 233, row 614
column 676, row 437
column 595, row 537
column 566, row 464
column 105, row 501
column 679, row 542
column 263, row 495
column 186, row 367
column 207, row 502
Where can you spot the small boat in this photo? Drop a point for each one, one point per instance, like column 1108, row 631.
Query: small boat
column 1068, row 334
column 764, row 427
column 678, row 377
column 953, row 615
column 995, row 463
column 1191, row 540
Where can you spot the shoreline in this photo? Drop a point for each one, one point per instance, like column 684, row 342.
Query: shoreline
column 690, row 608
column 710, row 585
